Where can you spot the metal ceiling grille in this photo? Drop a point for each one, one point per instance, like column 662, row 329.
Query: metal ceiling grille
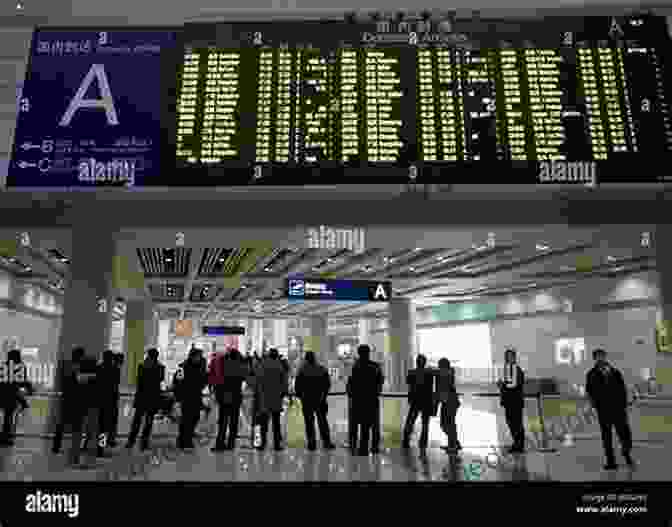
column 216, row 262
column 165, row 262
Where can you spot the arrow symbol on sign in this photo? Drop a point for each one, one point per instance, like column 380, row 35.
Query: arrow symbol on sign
column 24, row 164
column 28, row 146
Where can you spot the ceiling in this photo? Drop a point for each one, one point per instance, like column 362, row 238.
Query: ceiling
column 228, row 283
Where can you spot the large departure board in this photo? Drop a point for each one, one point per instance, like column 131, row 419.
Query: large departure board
column 560, row 100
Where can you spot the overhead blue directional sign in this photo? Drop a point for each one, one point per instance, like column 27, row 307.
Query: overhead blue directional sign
column 299, row 288
column 91, row 107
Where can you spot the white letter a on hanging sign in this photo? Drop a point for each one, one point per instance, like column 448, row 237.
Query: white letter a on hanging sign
column 106, row 102
column 380, row 292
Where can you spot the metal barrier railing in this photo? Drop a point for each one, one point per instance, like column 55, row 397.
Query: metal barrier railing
column 544, row 445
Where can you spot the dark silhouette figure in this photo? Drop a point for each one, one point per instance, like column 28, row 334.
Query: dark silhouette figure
column 70, row 413
column 108, row 387
column 365, row 386
column 114, row 418
column 190, row 379
column 14, row 385
column 272, row 388
column 312, row 388
column 421, row 401
column 148, row 398
column 608, row 395
column 78, row 403
column 229, row 395
column 353, row 429
column 513, row 400
column 446, row 395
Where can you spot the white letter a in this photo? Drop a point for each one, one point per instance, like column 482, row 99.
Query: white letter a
column 106, row 102
column 380, row 291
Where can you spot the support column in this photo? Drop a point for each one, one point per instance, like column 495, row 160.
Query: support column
column 280, row 334
column 364, row 331
column 663, row 370
column 401, row 347
column 89, row 298
column 318, row 342
column 402, row 341
column 138, row 336
column 255, row 329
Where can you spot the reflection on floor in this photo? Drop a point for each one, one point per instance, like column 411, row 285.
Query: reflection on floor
column 29, row 460
column 480, row 425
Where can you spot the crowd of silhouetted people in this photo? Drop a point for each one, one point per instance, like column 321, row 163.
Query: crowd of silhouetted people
column 89, row 403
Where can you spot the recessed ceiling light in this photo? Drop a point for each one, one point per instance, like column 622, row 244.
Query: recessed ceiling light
column 412, row 269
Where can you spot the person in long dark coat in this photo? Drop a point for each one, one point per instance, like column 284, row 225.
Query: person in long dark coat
column 229, row 395
column 608, row 394
column 365, row 386
column 272, row 384
column 191, row 379
column 151, row 375
column 312, row 388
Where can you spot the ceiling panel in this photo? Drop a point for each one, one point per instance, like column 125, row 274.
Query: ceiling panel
column 173, row 262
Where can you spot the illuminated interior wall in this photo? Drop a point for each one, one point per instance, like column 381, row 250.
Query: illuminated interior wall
column 466, row 346
column 32, row 331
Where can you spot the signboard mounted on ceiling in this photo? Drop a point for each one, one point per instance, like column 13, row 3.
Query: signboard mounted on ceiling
column 299, row 288
column 91, row 108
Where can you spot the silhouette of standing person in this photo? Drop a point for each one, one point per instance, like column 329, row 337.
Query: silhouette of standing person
column 608, row 394
column 312, row 388
column 229, row 396
column 272, row 387
column 190, row 379
column 151, row 375
column 12, row 387
column 513, row 400
column 421, row 400
column 447, row 396
column 366, row 384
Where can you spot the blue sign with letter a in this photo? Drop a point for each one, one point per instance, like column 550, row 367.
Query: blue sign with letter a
column 91, row 109
column 297, row 288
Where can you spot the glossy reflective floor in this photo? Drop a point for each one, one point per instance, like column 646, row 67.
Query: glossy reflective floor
column 480, row 426
column 29, row 460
